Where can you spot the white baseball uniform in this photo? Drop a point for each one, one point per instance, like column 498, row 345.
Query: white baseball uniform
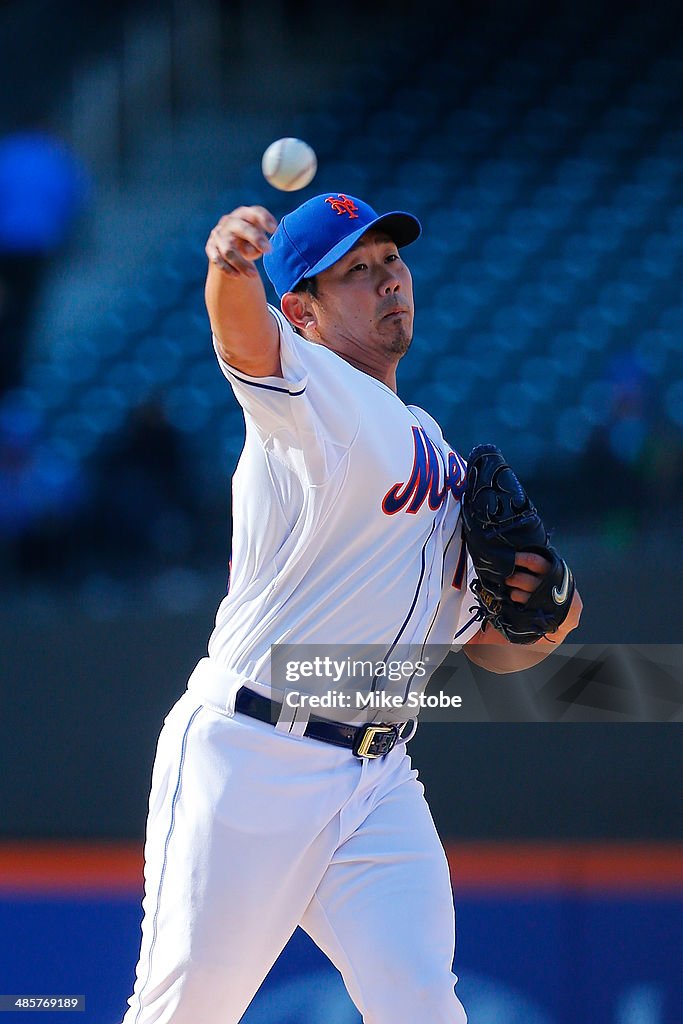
column 346, row 532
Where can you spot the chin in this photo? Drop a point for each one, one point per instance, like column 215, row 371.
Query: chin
column 400, row 344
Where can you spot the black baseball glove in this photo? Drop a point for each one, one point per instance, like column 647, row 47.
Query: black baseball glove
column 498, row 521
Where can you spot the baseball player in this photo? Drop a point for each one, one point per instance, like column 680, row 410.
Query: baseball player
column 347, row 533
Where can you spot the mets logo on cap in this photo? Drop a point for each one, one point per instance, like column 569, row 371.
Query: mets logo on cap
column 341, row 204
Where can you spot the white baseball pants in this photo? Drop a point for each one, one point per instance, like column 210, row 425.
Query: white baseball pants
column 252, row 832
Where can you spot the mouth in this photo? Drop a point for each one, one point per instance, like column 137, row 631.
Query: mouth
column 394, row 313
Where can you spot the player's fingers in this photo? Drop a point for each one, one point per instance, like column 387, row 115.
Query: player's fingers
column 529, row 571
column 236, row 233
column 240, row 264
column 240, row 238
column 224, row 244
column 532, row 561
column 261, row 217
column 525, row 581
column 214, row 255
column 256, row 216
column 254, row 235
column 231, row 262
column 249, row 250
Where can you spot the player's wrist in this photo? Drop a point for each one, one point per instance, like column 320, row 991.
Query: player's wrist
column 572, row 620
column 550, row 640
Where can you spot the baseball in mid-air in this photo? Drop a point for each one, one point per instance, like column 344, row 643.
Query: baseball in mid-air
column 289, row 164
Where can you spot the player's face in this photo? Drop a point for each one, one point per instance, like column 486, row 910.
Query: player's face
column 365, row 301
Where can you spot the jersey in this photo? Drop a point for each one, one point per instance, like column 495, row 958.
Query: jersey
column 346, row 533
column 346, row 520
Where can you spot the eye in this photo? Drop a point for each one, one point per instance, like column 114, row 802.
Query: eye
column 359, row 266
column 393, row 256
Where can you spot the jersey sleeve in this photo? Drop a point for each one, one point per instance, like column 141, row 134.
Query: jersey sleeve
column 270, row 401
column 295, row 416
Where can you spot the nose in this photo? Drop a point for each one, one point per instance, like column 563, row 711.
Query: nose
column 390, row 284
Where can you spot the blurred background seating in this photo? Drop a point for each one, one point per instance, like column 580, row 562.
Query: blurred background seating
column 540, row 147
column 542, row 152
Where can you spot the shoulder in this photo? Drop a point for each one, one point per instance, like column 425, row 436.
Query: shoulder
column 428, row 422
column 305, row 352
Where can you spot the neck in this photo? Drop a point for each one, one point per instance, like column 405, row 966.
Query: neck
column 386, row 374
column 382, row 370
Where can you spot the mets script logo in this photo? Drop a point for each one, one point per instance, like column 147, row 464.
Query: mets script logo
column 342, row 204
column 424, row 480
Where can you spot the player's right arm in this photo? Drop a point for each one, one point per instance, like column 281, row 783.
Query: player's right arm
column 246, row 333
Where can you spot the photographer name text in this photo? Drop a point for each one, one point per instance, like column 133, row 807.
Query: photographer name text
column 375, row 700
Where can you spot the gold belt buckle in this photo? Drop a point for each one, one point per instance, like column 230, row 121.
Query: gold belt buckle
column 362, row 750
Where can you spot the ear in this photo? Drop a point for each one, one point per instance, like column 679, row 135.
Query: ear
column 297, row 309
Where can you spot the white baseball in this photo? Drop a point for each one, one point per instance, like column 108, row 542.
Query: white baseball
column 289, row 164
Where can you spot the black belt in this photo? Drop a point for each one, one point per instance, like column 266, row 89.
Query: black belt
column 363, row 740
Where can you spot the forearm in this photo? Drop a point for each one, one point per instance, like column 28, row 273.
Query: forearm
column 245, row 332
column 492, row 651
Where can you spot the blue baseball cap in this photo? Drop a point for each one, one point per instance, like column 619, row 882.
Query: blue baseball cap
column 322, row 230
